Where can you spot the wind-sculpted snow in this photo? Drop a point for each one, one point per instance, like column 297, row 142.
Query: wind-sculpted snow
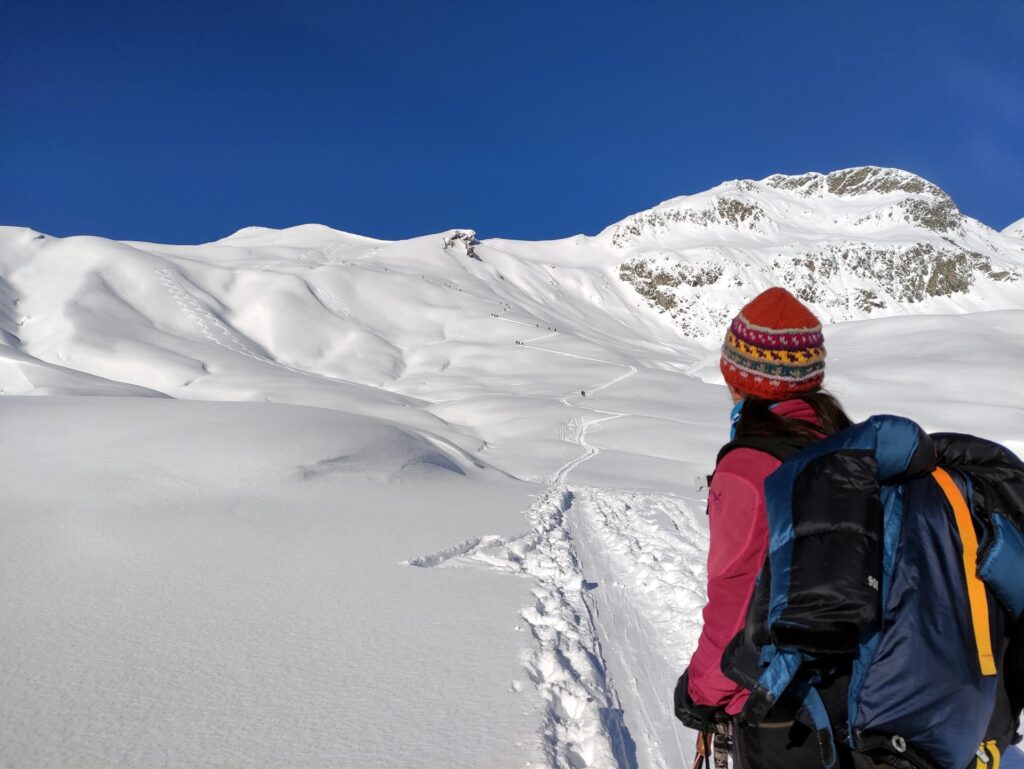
column 219, row 584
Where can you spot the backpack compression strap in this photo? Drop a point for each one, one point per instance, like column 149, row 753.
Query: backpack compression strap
column 975, row 587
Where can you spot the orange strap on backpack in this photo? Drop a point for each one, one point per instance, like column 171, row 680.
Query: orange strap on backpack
column 975, row 587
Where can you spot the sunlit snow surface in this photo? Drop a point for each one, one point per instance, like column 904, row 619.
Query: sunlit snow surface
column 305, row 499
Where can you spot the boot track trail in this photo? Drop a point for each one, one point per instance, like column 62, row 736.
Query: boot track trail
column 636, row 559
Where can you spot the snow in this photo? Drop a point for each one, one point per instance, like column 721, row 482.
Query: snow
column 1016, row 229
column 303, row 498
column 188, row 584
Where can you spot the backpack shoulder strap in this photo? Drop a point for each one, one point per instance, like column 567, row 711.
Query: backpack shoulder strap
column 782, row 448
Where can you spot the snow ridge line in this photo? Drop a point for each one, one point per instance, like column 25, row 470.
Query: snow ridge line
column 330, row 253
column 583, row 725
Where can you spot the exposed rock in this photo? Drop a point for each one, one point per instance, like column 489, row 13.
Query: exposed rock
column 867, row 300
column 736, row 212
column 464, row 240
column 940, row 215
column 806, row 184
column 852, row 279
column 867, row 179
column 727, row 211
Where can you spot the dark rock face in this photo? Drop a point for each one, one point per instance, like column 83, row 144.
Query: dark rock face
column 727, row 211
column 939, row 216
column 868, row 179
column 907, row 273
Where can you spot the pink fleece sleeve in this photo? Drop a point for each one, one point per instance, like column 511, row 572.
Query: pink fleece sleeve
column 739, row 543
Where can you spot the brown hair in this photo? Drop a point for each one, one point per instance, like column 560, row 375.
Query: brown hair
column 757, row 418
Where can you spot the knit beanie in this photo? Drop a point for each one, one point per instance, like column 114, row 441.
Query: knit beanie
column 774, row 348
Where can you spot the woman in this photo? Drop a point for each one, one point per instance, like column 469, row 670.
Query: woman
column 773, row 361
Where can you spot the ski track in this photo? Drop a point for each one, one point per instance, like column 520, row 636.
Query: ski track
column 214, row 329
column 620, row 584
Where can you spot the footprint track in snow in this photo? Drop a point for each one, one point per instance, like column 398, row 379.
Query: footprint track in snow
column 584, row 725
column 648, row 552
column 212, row 327
column 218, row 332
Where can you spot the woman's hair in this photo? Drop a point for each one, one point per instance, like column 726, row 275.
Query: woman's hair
column 757, row 418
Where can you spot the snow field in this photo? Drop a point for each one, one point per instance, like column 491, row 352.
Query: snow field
column 226, row 573
column 221, row 584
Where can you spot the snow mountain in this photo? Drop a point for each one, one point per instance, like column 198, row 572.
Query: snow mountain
column 856, row 243
column 303, row 498
column 354, row 315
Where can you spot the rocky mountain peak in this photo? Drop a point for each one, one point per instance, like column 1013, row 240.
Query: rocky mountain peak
column 862, row 180
column 853, row 243
column 855, row 201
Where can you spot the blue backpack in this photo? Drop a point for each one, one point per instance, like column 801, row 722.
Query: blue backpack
column 895, row 567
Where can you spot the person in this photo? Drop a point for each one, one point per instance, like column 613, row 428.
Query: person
column 773, row 361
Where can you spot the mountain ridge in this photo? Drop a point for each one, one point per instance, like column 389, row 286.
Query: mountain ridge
column 361, row 320
column 855, row 243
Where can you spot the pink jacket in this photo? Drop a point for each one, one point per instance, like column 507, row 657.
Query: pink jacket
column 739, row 543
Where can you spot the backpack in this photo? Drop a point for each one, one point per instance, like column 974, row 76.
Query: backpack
column 889, row 609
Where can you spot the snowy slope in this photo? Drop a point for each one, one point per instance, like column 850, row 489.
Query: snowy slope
column 303, row 498
column 1016, row 229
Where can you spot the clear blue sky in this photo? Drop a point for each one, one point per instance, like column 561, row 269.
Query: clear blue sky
column 183, row 121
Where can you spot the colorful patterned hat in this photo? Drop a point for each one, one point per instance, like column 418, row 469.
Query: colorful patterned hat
column 774, row 348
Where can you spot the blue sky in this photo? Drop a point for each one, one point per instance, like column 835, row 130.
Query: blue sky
column 183, row 121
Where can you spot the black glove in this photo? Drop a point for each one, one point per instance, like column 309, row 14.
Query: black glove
column 700, row 717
